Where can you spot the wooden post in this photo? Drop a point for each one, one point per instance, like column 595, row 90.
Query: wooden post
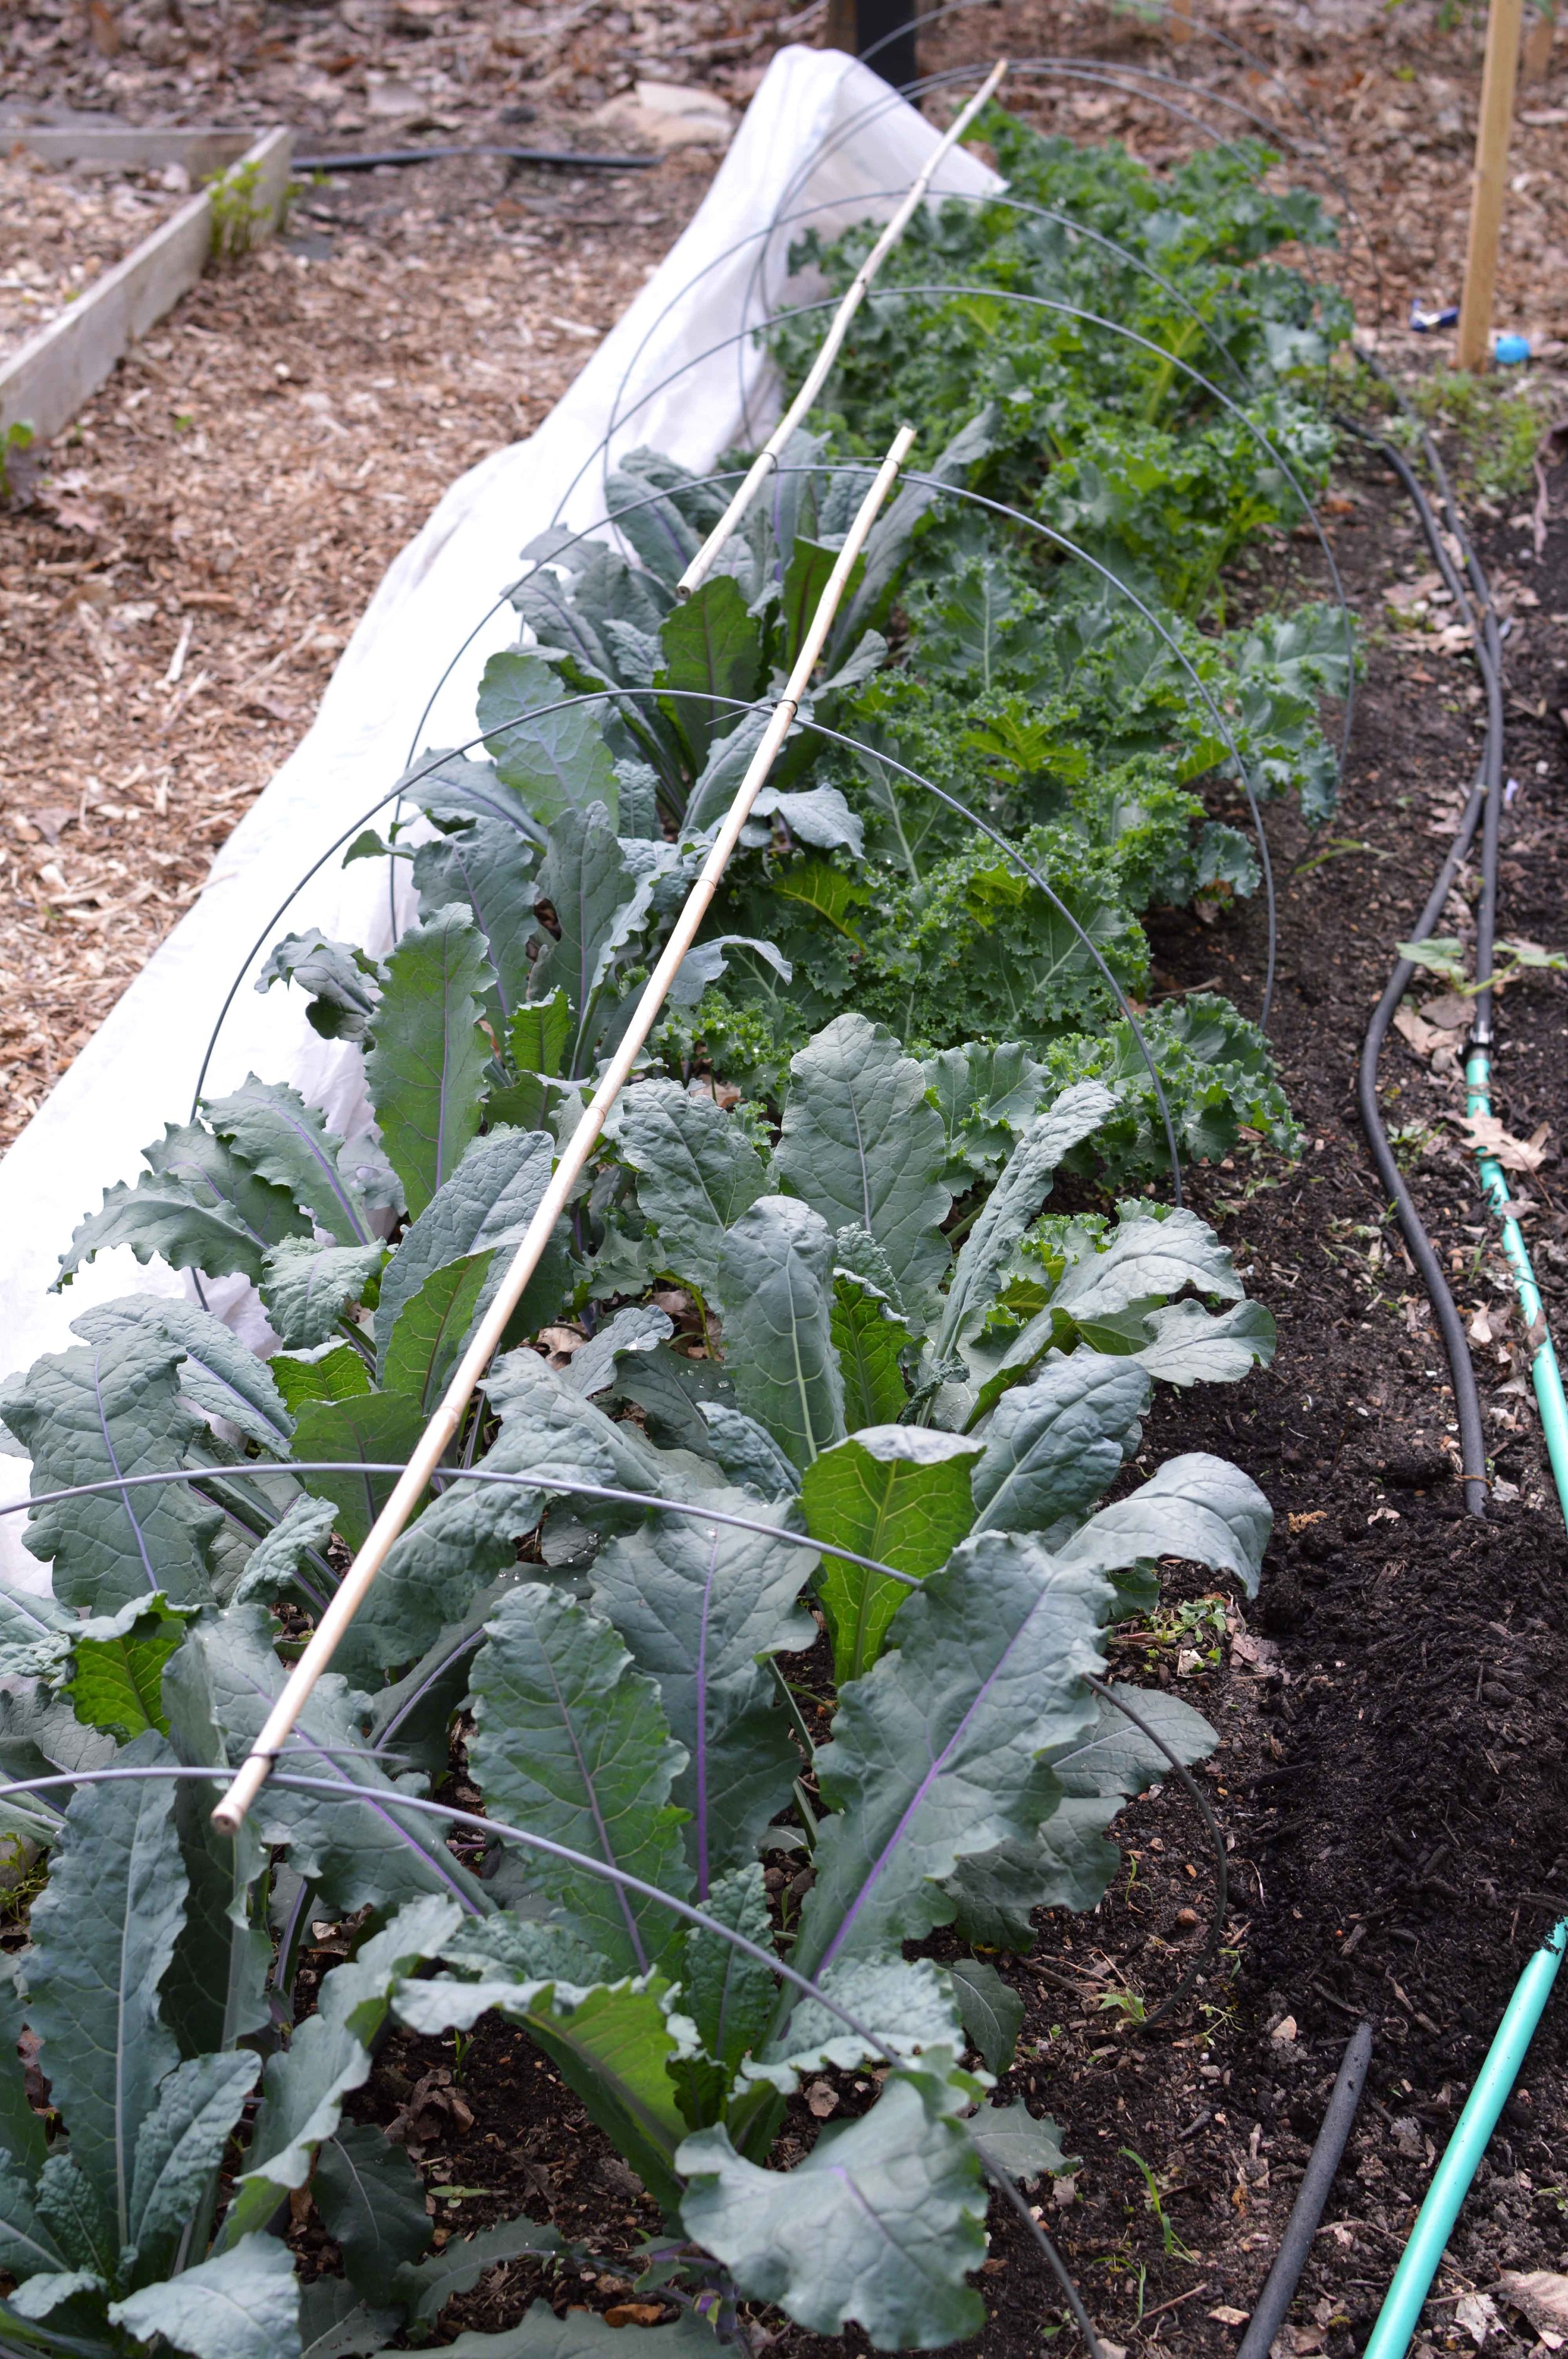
column 1179, row 20
column 841, row 32
column 887, row 29
column 1535, row 59
column 1503, row 21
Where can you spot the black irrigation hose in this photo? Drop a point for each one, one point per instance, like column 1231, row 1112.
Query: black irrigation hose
column 1279, row 2291
column 373, row 163
column 1422, row 1253
column 1485, row 803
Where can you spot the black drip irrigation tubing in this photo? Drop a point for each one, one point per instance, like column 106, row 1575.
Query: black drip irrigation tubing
column 1484, row 810
column 1221, row 1904
column 1278, row 2290
column 375, row 160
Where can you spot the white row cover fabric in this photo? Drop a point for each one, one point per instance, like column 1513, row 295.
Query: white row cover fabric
column 824, row 144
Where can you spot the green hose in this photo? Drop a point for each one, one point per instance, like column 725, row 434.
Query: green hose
column 1451, row 2182
column 1545, row 1374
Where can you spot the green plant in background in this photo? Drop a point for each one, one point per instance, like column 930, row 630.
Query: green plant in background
column 1174, row 2249
column 1488, row 426
column 239, row 215
column 1444, row 955
column 1026, row 688
column 17, row 438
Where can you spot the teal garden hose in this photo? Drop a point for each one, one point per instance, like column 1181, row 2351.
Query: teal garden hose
column 1451, row 2181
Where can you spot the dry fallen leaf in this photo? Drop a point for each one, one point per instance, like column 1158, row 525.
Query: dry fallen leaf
column 1227, row 2314
column 1423, row 1038
column 633, row 2314
column 823, row 2099
column 1258, row 1654
column 1484, row 1133
column 1541, row 2295
column 1451, row 1011
column 1403, row 594
column 1477, row 2315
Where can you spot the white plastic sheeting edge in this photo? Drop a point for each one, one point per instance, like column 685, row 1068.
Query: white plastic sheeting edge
column 140, row 1068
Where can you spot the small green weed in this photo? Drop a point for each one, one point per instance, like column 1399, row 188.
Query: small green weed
column 238, row 220
column 1491, row 427
column 17, row 438
column 1412, row 1141
column 1128, row 2003
column 30, row 1873
column 1443, row 955
column 1174, row 2249
column 1337, row 847
column 1194, row 1628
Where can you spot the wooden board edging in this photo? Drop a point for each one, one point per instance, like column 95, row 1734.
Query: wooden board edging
column 44, row 384
column 203, row 148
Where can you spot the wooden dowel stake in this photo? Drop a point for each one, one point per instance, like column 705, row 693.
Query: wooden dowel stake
column 1504, row 19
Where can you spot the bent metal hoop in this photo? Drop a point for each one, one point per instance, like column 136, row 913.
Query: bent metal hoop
column 230, row 1813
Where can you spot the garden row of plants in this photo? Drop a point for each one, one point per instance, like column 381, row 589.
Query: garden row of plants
column 810, row 1298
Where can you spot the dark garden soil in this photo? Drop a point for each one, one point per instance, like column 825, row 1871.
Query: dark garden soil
column 1391, row 1784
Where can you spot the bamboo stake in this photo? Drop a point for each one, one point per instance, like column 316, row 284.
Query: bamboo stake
column 767, row 458
column 1503, row 22
column 229, row 1814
